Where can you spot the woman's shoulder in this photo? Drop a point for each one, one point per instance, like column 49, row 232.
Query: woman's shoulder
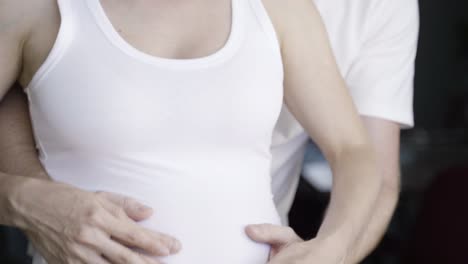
column 287, row 15
column 21, row 15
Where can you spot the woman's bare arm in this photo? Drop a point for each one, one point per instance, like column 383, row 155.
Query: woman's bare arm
column 317, row 96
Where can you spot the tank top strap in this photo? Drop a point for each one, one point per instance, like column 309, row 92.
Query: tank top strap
column 63, row 39
column 263, row 19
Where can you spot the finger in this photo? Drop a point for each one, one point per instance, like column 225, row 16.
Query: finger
column 119, row 254
column 133, row 235
column 272, row 234
column 134, row 209
column 124, row 230
column 111, row 251
column 146, row 259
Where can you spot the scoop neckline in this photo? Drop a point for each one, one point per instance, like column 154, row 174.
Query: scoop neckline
column 117, row 40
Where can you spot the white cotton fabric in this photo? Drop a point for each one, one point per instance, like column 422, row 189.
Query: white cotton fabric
column 190, row 138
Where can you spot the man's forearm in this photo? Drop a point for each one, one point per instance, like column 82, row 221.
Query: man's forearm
column 18, row 155
column 9, row 189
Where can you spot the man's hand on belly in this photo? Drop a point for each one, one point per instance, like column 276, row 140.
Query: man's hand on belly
column 68, row 225
column 287, row 247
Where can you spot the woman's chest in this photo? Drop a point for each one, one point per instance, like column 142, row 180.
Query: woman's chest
column 159, row 28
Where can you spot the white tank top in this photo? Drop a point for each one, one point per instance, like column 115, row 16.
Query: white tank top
column 190, row 138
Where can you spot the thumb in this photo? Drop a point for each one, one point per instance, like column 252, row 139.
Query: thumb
column 272, row 234
column 134, row 209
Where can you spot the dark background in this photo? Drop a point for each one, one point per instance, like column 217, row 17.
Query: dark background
column 430, row 224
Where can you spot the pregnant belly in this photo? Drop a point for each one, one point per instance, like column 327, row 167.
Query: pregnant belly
column 207, row 214
column 210, row 223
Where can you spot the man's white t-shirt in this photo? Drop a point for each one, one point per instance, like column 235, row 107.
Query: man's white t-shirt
column 374, row 42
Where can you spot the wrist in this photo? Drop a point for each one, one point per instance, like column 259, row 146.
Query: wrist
column 341, row 241
column 8, row 190
column 338, row 231
column 328, row 246
column 17, row 195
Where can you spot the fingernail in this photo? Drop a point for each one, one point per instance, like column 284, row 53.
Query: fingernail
column 143, row 208
column 256, row 230
column 165, row 251
column 176, row 246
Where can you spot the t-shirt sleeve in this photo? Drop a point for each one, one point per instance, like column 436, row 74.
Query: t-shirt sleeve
column 381, row 76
